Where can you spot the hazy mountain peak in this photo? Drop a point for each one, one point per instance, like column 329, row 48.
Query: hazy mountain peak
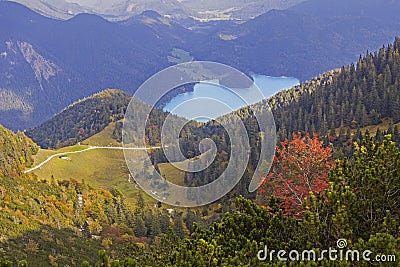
column 110, row 93
column 151, row 14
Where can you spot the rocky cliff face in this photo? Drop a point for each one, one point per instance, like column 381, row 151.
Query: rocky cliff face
column 11, row 64
column 43, row 68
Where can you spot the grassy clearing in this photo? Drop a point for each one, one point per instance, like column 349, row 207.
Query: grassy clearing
column 43, row 154
column 372, row 128
column 173, row 174
column 100, row 168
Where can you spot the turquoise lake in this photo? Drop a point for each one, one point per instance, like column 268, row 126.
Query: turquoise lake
column 210, row 100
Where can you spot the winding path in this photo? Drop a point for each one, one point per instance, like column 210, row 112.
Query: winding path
column 87, row 149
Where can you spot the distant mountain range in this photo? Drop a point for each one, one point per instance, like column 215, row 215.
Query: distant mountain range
column 122, row 9
column 47, row 64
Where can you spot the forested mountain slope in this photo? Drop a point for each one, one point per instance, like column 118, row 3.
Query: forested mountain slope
column 353, row 96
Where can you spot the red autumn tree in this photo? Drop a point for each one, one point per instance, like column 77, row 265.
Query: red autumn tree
column 300, row 166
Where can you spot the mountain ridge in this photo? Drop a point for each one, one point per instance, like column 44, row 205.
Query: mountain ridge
column 121, row 10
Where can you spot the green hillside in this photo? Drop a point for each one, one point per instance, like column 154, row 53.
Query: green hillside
column 109, row 136
column 81, row 120
column 86, row 206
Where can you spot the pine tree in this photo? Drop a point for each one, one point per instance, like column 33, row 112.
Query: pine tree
column 140, row 229
column 103, row 260
column 378, row 136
